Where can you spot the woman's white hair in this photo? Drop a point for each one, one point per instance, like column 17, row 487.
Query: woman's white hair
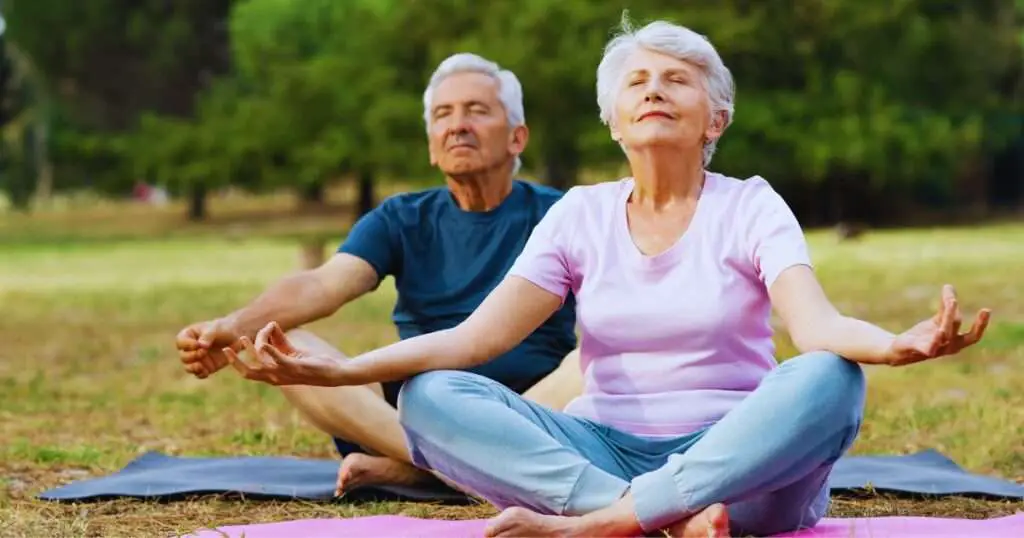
column 675, row 41
column 510, row 91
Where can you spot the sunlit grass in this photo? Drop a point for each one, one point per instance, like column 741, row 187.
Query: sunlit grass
column 90, row 379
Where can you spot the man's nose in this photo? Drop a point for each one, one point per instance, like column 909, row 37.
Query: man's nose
column 460, row 122
column 459, row 127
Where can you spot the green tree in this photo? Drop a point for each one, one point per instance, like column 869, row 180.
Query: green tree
column 329, row 81
column 114, row 60
column 109, row 60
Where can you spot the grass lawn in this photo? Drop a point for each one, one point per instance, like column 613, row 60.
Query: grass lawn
column 90, row 379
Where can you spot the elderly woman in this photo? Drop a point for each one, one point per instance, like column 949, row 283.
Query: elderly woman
column 687, row 423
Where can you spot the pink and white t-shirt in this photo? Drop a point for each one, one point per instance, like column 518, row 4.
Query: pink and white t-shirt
column 670, row 343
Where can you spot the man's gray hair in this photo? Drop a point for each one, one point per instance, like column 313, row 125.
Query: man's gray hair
column 510, row 91
column 672, row 40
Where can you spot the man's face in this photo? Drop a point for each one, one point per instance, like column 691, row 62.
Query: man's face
column 469, row 131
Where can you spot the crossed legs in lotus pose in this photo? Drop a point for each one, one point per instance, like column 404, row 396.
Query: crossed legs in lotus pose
column 762, row 469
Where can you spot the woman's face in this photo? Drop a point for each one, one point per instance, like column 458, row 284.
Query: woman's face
column 662, row 101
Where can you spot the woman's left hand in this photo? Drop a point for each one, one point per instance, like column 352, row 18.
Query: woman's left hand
column 279, row 363
column 938, row 336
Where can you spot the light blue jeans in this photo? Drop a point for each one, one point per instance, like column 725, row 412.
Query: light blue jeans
column 768, row 459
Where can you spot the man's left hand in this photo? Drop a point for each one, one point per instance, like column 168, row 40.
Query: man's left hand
column 278, row 362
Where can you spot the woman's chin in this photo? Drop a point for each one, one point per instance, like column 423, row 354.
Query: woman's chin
column 659, row 141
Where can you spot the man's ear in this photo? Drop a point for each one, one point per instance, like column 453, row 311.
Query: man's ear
column 518, row 139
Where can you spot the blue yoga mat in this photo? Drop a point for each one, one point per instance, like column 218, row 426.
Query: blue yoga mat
column 168, row 478
column 161, row 477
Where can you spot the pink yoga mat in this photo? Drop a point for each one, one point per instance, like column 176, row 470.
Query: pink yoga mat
column 408, row 527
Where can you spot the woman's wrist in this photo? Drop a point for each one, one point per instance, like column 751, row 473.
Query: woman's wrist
column 341, row 374
column 860, row 341
column 886, row 355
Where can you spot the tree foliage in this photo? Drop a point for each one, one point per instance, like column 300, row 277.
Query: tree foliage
column 905, row 96
column 111, row 60
column 314, row 95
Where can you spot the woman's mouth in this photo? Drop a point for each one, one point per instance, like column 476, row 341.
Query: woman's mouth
column 655, row 114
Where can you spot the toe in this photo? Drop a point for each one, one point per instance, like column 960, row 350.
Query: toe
column 508, row 520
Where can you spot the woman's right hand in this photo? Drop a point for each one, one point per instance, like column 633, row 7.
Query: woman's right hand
column 278, row 362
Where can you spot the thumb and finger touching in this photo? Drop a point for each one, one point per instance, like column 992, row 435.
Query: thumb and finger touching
column 946, row 337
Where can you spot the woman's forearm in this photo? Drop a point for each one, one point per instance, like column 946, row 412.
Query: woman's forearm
column 851, row 338
column 506, row 317
column 441, row 350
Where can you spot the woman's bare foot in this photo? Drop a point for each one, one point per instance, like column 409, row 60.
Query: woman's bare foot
column 712, row 522
column 364, row 470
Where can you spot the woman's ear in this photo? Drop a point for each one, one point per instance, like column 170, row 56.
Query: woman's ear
column 717, row 126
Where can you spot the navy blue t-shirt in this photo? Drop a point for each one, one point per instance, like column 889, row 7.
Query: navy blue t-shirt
column 446, row 260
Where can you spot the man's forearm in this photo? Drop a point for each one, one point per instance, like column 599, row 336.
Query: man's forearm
column 292, row 301
column 851, row 338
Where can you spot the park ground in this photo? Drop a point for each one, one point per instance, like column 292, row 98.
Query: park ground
column 89, row 377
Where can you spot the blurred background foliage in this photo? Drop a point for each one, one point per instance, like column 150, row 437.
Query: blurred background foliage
column 873, row 111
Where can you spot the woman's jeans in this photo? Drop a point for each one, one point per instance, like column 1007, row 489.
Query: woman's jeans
column 768, row 459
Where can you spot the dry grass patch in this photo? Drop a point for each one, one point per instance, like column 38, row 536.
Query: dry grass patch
column 90, row 380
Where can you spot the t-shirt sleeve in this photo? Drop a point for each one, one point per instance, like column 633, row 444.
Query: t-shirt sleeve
column 545, row 259
column 775, row 238
column 374, row 238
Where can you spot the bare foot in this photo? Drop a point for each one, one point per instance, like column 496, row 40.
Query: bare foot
column 520, row 522
column 712, row 522
column 364, row 470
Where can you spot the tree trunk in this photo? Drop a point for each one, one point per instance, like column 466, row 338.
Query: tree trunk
column 6, row 75
column 311, row 253
column 972, row 188
column 44, row 167
column 366, row 200
column 836, row 200
column 314, row 194
column 197, row 203
column 562, row 163
column 19, row 184
column 1007, row 175
column 19, row 171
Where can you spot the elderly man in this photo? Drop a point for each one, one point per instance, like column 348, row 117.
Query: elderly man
column 446, row 248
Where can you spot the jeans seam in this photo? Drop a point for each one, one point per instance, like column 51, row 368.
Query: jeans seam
column 572, row 491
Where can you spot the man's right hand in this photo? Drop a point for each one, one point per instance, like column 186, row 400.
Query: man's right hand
column 200, row 346
column 299, row 298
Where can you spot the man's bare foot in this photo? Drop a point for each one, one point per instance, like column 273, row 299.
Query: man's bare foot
column 364, row 470
column 712, row 522
column 520, row 522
